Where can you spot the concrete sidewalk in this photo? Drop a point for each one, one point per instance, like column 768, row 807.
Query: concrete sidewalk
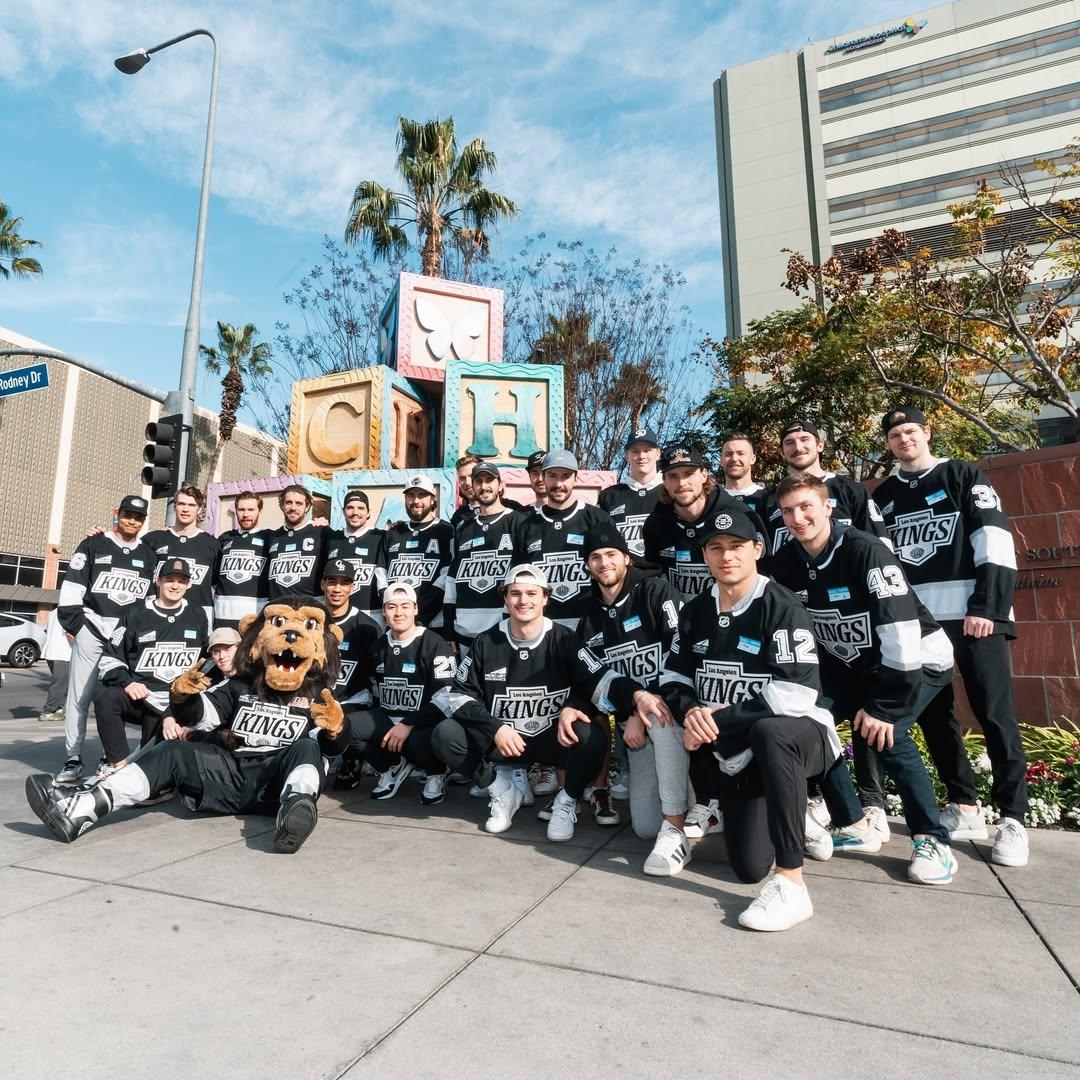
column 403, row 943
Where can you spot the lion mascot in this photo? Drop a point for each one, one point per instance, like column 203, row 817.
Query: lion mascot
column 252, row 744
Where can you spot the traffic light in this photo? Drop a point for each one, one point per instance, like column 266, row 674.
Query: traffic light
column 161, row 473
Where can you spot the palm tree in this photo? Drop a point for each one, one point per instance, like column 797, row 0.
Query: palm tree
column 236, row 351
column 444, row 196
column 13, row 246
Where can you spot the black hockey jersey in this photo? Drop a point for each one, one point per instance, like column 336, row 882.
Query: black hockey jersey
column 553, row 541
column 672, row 544
column 153, row 646
column 526, row 683
column 633, row 634
column 879, row 642
column 240, row 578
column 105, row 580
column 758, row 659
column 953, row 540
column 360, row 632
column 295, row 559
column 365, row 552
column 409, row 673
column 628, row 505
column 484, row 553
column 200, row 551
column 851, row 503
column 757, row 497
column 421, row 555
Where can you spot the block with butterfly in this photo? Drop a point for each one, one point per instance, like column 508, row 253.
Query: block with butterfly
column 385, row 491
column 427, row 322
column 371, row 418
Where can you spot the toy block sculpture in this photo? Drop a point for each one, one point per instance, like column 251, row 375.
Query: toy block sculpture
column 221, row 498
column 384, row 488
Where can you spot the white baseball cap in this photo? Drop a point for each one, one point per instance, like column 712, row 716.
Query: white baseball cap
column 419, row 482
column 527, row 574
column 399, row 590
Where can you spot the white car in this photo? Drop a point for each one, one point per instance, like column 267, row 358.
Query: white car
column 21, row 640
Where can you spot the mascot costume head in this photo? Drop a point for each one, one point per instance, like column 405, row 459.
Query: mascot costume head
column 289, row 649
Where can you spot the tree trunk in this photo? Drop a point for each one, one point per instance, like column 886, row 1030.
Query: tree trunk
column 432, row 252
column 219, row 449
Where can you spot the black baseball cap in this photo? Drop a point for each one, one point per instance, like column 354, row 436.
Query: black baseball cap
column 603, row 536
column 536, row 460
column 338, row 568
column 355, row 495
column 642, row 434
column 675, row 456
column 731, row 522
column 179, row 567
column 133, row 504
column 485, row 467
column 902, row 414
column 801, row 425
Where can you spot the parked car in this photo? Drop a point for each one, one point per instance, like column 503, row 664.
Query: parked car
column 21, row 640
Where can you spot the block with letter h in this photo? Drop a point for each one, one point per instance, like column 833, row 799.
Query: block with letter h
column 502, row 412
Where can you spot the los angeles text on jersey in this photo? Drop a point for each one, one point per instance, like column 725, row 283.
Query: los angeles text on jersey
column 261, row 723
column 845, row 636
column 482, row 571
column 122, row 587
column 639, row 662
column 399, row 696
column 722, row 682
column 241, row 566
column 916, row 536
column 530, row 709
column 566, row 573
column 166, row 661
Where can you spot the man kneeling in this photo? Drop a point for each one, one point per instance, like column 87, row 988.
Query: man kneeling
column 249, row 751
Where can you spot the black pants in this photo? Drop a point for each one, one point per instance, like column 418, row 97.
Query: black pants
column 222, row 782
column 986, row 669
column 765, row 805
column 473, row 754
column 114, row 710
column 368, row 727
column 58, row 683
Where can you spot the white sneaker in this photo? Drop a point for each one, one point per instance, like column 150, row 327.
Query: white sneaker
column 932, row 862
column 478, row 792
column 1010, row 843
column 852, row 838
column 563, row 818
column 520, row 779
column 386, row 787
column 505, row 802
column 879, row 822
column 780, row 905
column 434, row 790
column 817, row 809
column 704, row 819
column 547, row 781
column 963, row 826
column 617, row 789
column 818, row 844
column 670, row 853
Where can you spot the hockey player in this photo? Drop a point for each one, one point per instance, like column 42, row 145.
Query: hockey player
column 630, row 624
column 107, row 576
column 410, row 665
column 690, row 498
column 520, row 697
column 363, row 547
column 801, row 446
column 535, row 468
column 185, row 540
column 629, row 503
column 883, row 659
column 359, row 633
column 297, row 550
column 483, row 554
column 955, row 545
column 240, row 575
column 466, row 507
column 420, row 550
column 551, row 537
column 742, row 678
column 737, row 459
column 163, row 637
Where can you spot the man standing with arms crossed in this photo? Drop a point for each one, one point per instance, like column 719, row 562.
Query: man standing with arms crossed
column 240, row 576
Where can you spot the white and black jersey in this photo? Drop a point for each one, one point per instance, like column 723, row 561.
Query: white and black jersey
column 295, row 560
column 240, row 577
column 365, row 552
column 200, row 551
column 632, row 635
column 154, row 646
column 463, row 515
column 553, row 541
column 879, row 644
column 628, row 505
column 421, row 555
column 953, row 540
column 409, row 673
column 105, row 580
column 758, row 659
column 851, row 503
column 484, row 553
column 673, row 545
column 257, row 725
column 756, row 497
column 527, row 683
column 360, row 632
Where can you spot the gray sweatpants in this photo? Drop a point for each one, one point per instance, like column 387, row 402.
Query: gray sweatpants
column 86, row 651
column 659, row 780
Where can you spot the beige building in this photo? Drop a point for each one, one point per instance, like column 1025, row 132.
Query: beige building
column 69, row 452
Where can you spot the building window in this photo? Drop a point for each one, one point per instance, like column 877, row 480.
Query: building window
column 22, row 570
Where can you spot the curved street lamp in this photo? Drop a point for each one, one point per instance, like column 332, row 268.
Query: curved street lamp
column 184, row 403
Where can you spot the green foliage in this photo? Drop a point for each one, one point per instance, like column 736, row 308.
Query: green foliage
column 13, row 247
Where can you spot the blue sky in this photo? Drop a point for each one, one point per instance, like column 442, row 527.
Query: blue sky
column 600, row 114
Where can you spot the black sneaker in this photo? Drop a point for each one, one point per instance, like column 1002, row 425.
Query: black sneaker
column 603, row 812
column 70, row 774
column 349, row 774
column 66, row 814
column 295, row 821
column 545, row 813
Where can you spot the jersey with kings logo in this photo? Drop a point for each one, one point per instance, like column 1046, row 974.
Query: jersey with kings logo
column 240, row 577
column 153, row 646
column 851, row 503
column 295, row 559
column 484, row 553
column 409, row 673
column 953, row 540
column 421, row 556
column 553, row 540
column 365, row 552
column 755, row 660
column 200, row 551
column 359, row 634
column 628, row 505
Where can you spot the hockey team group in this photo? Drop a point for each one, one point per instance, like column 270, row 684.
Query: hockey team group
column 694, row 638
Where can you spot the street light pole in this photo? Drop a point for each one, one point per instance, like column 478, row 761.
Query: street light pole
column 184, row 401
